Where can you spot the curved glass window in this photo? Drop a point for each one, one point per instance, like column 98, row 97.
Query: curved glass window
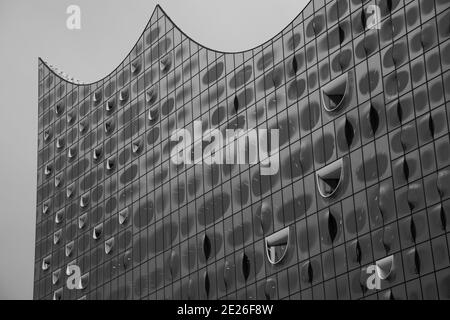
column 58, row 180
column 206, row 283
column 82, row 221
column 59, row 216
column 136, row 146
column 294, row 65
column 443, row 218
column 48, row 169
column 374, row 119
column 245, row 266
column 97, row 96
column 70, row 190
column 110, row 163
column 72, row 153
column 332, row 226
column 150, row 97
column 84, row 281
column 135, row 67
column 59, row 109
column 97, row 232
column 45, row 207
column 84, row 200
column 109, row 127
column 277, row 245
column 55, row 276
column 109, row 244
column 46, row 262
column 123, row 216
column 57, row 236
column 329, row 178
column 59, row 143
column 385, row 267
column 109, row 106
column 356, row 251
column 58, row 294
column 165, row 63
column 68, row 269
column 206, row 246
column 47, row 135
column 71, row 117
column 69, row 248
column 83, row 127
column 123, row 95
column 97, row 154
column 335, row 92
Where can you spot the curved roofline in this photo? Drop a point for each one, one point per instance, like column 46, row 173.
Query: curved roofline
column 58, row 75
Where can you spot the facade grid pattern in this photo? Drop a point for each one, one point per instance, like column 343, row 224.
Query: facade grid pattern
column 200, row 231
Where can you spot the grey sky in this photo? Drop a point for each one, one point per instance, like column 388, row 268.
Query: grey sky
column 109, row 28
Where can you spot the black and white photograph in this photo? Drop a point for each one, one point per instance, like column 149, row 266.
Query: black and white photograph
column 225, row 155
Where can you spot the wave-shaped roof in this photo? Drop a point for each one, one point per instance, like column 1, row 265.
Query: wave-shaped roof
column 159, row 13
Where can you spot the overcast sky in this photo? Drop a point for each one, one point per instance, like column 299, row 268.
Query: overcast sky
column 109, row 28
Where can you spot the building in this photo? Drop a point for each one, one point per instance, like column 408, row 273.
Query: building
column 360, row 95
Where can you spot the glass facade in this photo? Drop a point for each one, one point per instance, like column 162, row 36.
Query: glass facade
column 363, row 115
